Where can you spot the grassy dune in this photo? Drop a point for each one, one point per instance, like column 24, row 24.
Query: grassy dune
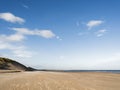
column 9, row 71
column 59, row 81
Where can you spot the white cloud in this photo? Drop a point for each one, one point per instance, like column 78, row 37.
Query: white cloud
column 25, row 6
column 23, row 31
column 42, row 33
column 94, row 23
column 16, row 50
column 9, row 17
column 13, row 43
column 12, row 38
column 21, row 52
column 4, row 45
column 16, row 37
column 45, row 33
column 100, row 32
column 83, row 33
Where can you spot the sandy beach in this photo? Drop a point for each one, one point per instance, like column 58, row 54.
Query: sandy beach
column 59, row 81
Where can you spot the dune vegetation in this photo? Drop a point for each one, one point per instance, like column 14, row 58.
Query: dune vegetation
column 9, row 64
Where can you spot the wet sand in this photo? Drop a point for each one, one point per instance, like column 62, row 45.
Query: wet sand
column 59, row 81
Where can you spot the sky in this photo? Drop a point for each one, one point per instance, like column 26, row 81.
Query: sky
column 61, row 34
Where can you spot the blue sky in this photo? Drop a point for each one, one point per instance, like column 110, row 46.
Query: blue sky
column 61, row 34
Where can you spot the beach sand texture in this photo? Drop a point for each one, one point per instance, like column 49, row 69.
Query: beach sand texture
column 41, row 80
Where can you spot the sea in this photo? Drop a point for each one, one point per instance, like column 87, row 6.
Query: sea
column 109, row 71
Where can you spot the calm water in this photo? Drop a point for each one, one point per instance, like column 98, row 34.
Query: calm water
column 111, row 71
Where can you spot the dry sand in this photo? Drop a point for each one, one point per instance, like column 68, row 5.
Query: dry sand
column 59, row 81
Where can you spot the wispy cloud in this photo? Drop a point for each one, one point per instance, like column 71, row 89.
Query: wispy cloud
column 9, row 17
column 16, row 49
column 12, row 38
column 25, row 6
column 100, row 33
column 13, row 44
column 22, row 51
column 8, row 42
column 42, row 33
column 94, row 23
column 90, row 25
column 83, row 34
